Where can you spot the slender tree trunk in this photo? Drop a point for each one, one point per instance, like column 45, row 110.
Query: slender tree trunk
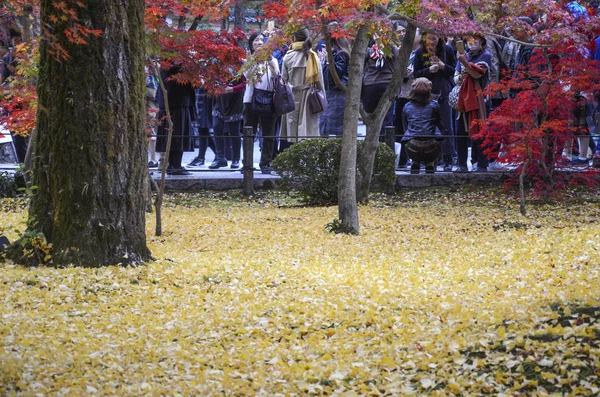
column 374, row 120
column 347, row 206
column 522, row 188
column 90, row 163
column 196, row 22
column 163, row 170
column 239, row 14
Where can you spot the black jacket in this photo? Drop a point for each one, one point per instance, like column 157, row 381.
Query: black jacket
column 442, row 81
column 421, row 120
column 374, row 74
column 180, row 95
column 341, row 62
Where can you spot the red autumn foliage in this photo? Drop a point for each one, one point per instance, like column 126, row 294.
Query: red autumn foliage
column 538, row 121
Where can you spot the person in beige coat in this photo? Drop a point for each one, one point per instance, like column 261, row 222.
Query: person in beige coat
column 301, row 68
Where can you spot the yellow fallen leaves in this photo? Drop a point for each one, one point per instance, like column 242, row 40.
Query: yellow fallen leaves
column 444, row 297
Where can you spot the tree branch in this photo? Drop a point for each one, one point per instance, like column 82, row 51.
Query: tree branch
column 196, row 22
column 332, row 69
column 394, row 16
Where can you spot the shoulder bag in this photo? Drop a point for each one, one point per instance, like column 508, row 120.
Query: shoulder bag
column 316, row 100
column 283, row 97
column 453, row 97
column 262, row 100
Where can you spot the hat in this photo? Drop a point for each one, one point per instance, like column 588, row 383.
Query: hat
column 421, row 85
column 420, row 90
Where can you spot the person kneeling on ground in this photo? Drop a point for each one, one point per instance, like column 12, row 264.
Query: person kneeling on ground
column 422, row 127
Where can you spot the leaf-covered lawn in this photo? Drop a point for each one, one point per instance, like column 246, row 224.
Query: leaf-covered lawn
column 455, row 294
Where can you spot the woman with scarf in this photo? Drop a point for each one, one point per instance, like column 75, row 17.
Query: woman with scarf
column 302, row 69
column 472, row 74
column 435, row 61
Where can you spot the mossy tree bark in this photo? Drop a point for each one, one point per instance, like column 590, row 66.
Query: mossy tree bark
column 347, row 206
column 90, row 162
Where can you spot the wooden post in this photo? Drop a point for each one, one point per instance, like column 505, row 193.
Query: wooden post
column 390, row 141
column 248, row 163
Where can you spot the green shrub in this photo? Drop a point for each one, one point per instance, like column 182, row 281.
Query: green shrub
column 313, row 167
column 8, row 187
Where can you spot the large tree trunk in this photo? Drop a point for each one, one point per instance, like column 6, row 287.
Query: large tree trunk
column 374, row 120
column 90, row 165
column 347, row 206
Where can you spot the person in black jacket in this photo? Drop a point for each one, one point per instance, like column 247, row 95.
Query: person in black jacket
column 8, row 63
column 422, row 122
column 377, row 75
column 331, row 121
column 227, row 118
column 436, row 61
column 203, row 124
column 182, row 100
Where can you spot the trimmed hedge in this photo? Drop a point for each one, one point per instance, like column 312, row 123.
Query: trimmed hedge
column 8, row 187
column 313, row 166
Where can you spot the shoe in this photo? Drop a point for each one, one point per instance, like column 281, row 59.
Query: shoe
column 578, row 162
column 152, row 164
column 596, row 161
column 402, row 166
column 415, row 168
column 496, row 166
column 448, row 168
column 430, row 168
column 178, row 171
column 266, row 170
column 481, row 169
column 218, row 164
column 462, row 169
column 196, row 162
column 235, row 164
column 181, row 171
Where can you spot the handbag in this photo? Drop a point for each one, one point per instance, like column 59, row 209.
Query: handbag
column 262, row 100
column 316, row 100
column 283, row 97
column 453, row 97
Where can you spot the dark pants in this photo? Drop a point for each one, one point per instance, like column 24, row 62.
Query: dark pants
column 175, row 159
column 424, row 150
column 399, row 128
column 371, row 95
column 284, row 145
column 496, row 103
column 267, row 124
column 223, row 131
column 206, row 141
column 448, row 133
column 20, row 143
column 462, row 143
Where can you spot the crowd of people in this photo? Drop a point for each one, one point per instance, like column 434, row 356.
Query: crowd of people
column 433, row 114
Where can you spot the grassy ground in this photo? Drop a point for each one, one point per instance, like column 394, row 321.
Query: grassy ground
column 445, row 292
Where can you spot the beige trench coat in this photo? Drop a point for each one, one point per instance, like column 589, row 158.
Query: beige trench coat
column 300, row 123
